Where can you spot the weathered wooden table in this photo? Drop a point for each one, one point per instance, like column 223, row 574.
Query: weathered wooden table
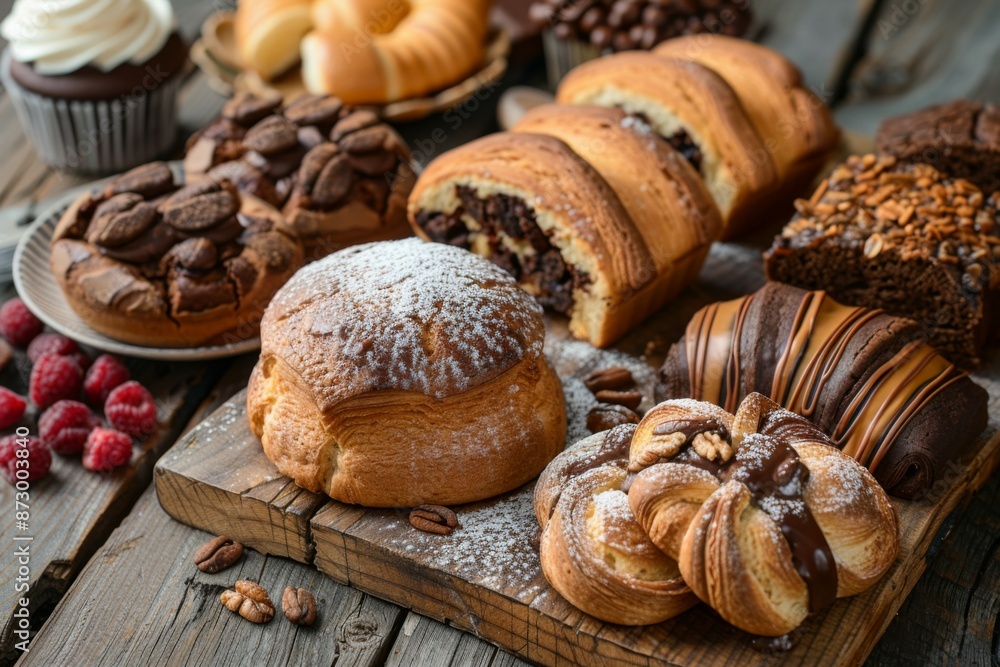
column 111, row 576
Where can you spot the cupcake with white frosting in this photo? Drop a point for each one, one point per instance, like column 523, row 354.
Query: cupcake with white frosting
column 94, row 82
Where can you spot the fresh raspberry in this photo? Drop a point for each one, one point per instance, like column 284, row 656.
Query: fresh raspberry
column 64, row 427
column 53, row 343
column 11, row 407
column 17, row 324
column 106, row 450
column 39, row 460
column 130, row 408
column 54, row 378
column 107, row 373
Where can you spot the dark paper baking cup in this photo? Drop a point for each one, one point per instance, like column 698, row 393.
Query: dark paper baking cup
column 99, row 136
column 562, row 55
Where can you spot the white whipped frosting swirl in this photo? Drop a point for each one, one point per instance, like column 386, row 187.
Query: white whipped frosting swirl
column 61, row 36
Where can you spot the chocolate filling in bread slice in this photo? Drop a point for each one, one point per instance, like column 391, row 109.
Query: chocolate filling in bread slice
column 695, row 111
column 530, row 204
column 504, row 229
column 587, row 207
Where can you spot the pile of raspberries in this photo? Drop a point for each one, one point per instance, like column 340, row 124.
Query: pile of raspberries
column 67, row 387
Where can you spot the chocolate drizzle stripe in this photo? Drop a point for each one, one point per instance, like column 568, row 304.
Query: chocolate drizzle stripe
column 694, row 344
column 826, row 353
column 798, row 337
column 733, row 364
column 719, row 350
column 915, row 365
column 930, row 390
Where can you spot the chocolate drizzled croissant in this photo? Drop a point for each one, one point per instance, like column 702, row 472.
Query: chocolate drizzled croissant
column 768, row 522
column 868, row 380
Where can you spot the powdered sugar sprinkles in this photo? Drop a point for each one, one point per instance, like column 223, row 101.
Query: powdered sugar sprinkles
column 403, row 315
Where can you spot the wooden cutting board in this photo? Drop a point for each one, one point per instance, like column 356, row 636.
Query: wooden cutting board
column 486, row 577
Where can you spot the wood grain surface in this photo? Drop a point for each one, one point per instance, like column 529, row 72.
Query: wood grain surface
column 486, row 579
column 73, row 511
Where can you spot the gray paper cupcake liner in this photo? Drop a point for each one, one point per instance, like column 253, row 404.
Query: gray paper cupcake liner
column 562, row 55
column 99, row 136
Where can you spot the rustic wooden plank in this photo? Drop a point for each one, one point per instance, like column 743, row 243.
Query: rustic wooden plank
column 953, row 610
column 141, row 601
column 924, row 52
column 422, row 642
column 73, row 511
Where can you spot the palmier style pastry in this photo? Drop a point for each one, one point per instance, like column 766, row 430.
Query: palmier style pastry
column 767, row 520
column 589, row 210
column 592, row 549
column 147, row 262
column 868, row 380
column 339, row 175
column 403, row 373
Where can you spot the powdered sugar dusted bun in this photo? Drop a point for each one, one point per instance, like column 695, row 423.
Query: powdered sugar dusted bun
column 394, row 374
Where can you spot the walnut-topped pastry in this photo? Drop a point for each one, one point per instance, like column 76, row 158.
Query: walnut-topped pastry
column 340, row 175
column 903, row 237
column 405, row 373
column 768, row 521
column 150, row 263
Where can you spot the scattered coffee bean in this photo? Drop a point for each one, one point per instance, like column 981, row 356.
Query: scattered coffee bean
column 217, row 554
column 247, row 108
column 272, row 135
column 250, row 601
column 149, row 180
column 605, row 416
column 298, row 605
column 615, row 377
column 314, row 110
column 629, row 399
column 355, row 122
column 434, row 519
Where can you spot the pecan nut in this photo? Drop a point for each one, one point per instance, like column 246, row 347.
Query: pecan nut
column 298, row 605
column 121, row 219
column 605, row 416
column 614, row 378
column 250, row 601
column 630, row 399
column 272, row 135
column 200, row 206
column 314, row 110
column 217, row 554
column 434, row 519
column 247, row 108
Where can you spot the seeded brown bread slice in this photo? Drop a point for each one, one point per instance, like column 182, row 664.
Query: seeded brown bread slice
column 905, row 238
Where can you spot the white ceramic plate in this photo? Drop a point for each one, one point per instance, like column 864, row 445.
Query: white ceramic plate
column 38, row 288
